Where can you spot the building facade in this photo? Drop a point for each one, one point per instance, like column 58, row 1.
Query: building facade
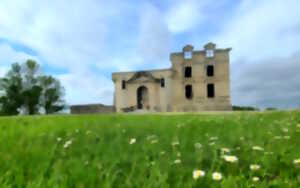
column 196, row 81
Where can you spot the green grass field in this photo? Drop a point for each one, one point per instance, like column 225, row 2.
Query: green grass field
column 99, row 150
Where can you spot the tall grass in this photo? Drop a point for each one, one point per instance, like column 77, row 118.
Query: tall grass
column 95, row 150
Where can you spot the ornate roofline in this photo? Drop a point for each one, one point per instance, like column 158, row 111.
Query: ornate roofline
column 146, row 74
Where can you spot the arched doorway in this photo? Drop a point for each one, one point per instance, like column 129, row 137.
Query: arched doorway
column 142, row 98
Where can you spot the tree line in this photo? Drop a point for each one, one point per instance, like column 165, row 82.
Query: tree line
column 26, row 90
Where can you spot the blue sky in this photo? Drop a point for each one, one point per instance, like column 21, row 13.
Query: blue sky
column 82, row 42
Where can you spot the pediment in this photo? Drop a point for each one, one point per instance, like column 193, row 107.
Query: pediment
column 143, row 76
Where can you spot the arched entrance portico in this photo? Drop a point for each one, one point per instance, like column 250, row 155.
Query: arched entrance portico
column 142, row 98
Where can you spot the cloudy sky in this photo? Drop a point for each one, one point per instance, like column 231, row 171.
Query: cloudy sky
column 82, row 42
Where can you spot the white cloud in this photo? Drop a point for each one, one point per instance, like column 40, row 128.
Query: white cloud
column 154, row 37
column 267, row 82
column 185, row 15
column 261, row 29
column 87, row 87
column 81, row 35
column 9, row 56
column 264, row 36
column 69, row 35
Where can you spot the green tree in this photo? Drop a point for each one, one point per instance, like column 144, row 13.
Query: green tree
column 53, row 92
column 31, row 88
column 11, row 90
column 25, row 90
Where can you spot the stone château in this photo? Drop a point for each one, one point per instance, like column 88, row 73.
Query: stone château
column 196, row 81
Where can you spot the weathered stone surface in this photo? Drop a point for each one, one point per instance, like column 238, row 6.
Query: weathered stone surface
column 92, row 109
column 144, row 91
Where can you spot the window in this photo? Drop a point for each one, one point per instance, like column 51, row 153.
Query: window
column 123, row 84
column 162, row 82
column 210, row 90
column 188, row 72
column 189, row 91
column 209, row 53
column 210, row 70
column 188, row 55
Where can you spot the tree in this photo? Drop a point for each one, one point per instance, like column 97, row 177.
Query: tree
column 31, row 88
column 11, row 87
column 52, row 94
column 25, row 90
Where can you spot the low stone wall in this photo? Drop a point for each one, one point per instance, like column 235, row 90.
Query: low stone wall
column 92, row 109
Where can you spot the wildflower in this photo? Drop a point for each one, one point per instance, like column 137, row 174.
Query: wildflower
column 217, row 176
column 175, row 143
column 198, row 173
column 225, row 150
column 213, row 138
column 254, row 167
column 285, row 130
column 177, row 161
column 162, row 152
column 58, row 139
column 132, row 141
column 154, row 141
column 255, row 179
column 258, row 148
column 297, row 161
column 230, row 158
column 68, row 143
column 198, row 145
column 212, row 143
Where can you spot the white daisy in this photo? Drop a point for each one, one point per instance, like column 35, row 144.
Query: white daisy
column 198, row 173
column 254, row 167
column 296, row 161
column 132, row 141
column 217, row 176
column 230, row 158
column 177, row 161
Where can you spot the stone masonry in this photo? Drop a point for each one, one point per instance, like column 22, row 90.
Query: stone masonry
column 196, row 81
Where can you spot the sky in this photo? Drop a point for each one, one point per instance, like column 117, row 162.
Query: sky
column 81, row 42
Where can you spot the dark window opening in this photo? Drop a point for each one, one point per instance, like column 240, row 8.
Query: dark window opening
column 162, row 82
column 188, row 91
column 210, row 70
column 210, row 90
column 188, row 72
column 123, row 84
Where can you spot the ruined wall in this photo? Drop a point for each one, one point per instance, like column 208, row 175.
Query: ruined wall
column 92, row 109
column 171, row 98
column 127, row 98
column 199, row 80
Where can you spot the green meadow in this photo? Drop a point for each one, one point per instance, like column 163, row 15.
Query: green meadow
column 242, row 149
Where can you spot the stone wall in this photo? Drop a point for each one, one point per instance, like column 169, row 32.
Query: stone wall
column 92, row 109
column 172, row 97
